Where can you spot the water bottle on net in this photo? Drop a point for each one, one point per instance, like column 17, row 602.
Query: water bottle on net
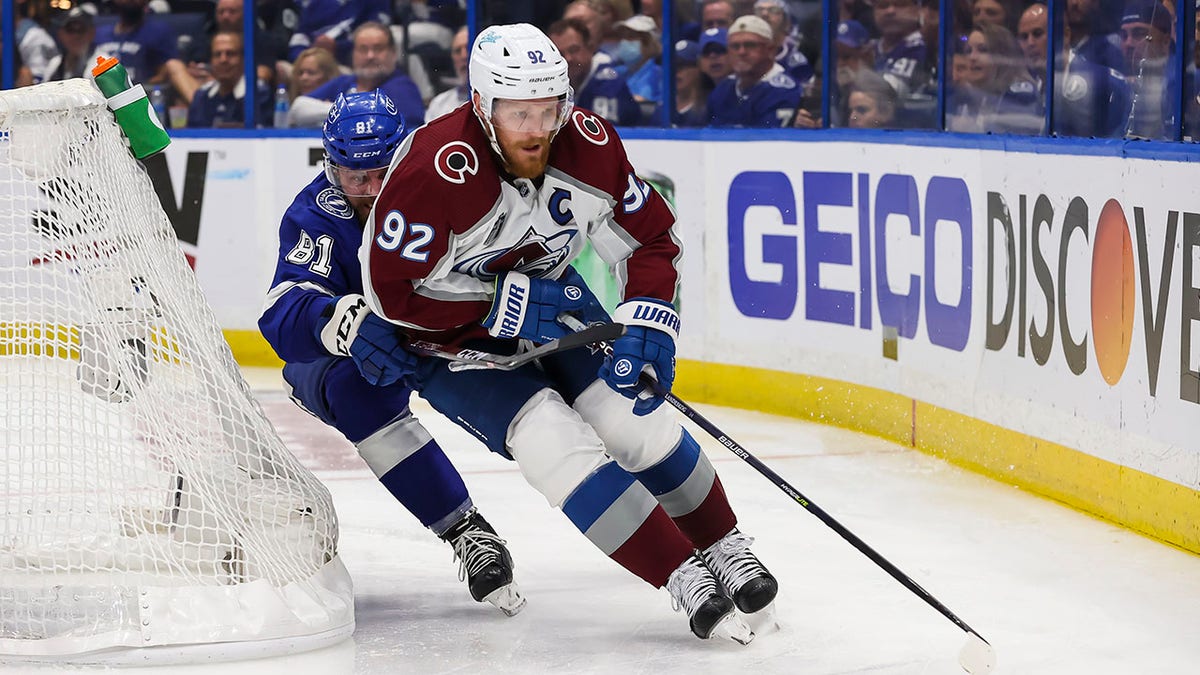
column 133, row 111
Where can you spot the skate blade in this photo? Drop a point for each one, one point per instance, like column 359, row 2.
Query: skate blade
column 764, row 621
column 507, row 599
column 732, row 627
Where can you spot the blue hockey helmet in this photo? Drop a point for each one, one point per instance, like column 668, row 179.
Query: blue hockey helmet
column 361, row 133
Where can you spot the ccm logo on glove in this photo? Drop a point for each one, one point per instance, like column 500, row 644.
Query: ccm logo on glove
column 345, row 317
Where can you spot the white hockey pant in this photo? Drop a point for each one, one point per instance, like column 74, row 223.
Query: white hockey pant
column 557, row 447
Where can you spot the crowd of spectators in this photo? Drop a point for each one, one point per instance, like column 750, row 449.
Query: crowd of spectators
column 737, row 63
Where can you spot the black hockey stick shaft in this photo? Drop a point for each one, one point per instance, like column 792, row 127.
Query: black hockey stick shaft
column 473, row 359
column 812, row 508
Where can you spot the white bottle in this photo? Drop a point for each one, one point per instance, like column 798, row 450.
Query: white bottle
column 281, row 107
column 158, row 100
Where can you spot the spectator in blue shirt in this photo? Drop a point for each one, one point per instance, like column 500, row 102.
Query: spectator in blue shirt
column 643, row 74
column 374, row 62
column 597, row 86
column 221, row 102
column 146, row 47
column 900, row 53
column 1146, row 40
column 998, row 95
column 691, row 88
column 714, row 55
column 794, row 62
column 1091, row 96
column 332, row 24
column 760, row 94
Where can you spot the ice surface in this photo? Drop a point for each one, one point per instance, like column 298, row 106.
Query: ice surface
column 1055, row 591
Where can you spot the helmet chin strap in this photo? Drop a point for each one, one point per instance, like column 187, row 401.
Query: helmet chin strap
column 489, row 130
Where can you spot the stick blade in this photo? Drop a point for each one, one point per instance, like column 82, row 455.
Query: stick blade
column 977, row 656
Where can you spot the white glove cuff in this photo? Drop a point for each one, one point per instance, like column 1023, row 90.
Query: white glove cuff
column 649, row 314
column 512, row 299
column 341, row 329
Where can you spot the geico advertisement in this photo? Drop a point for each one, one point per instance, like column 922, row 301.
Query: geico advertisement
column 1064, row 282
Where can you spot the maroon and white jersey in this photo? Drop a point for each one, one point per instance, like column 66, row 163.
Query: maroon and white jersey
column 449, row 219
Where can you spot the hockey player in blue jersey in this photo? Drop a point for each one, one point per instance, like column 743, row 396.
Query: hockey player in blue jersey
column 356, row 385
column 760, row 93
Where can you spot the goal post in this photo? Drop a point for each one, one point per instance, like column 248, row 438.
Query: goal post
column 149, row 510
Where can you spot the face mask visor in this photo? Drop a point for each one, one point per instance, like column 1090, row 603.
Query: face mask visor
column 536, row 116
column 356, row 182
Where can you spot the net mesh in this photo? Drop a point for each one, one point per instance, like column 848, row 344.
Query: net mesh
column 135, row 457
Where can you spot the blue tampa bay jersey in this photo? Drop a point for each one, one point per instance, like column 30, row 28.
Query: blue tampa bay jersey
column 318, row 261
column 606, row 93
column 771, row 102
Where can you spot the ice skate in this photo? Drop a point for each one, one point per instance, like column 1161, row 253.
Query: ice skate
column 750, row 585
column 694, row 589
column 484, row 563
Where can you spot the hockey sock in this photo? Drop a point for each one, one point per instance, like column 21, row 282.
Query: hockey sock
column 427, row 484
column 623, row 520
column 687, row 486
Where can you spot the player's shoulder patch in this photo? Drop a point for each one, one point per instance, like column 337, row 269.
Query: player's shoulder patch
column 591, row 126
column 332, row 201
column 606, row 73
column 455, row 160
column 452, row 145
column 781, row 81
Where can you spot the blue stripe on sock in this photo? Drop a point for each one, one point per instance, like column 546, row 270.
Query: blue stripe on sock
column 593, row 497
column 427, row 484
column 670, row 473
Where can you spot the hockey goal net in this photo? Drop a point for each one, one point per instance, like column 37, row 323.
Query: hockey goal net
column 146, row 500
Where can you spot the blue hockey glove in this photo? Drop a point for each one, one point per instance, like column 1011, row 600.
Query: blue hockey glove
column 376, row 346
column 651, row 327
column 529, row 308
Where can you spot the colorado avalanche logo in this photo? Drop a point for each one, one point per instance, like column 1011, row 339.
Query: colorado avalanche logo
column 590, row 127
column 455, row 160
column 534, row 255
column 332, row 202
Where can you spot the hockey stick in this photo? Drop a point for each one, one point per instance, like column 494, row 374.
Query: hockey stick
column 470, row 359
column 976, row 656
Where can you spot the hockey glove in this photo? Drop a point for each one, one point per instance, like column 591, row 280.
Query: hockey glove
column 651, row 327
column 529, row 308
column 376, row 345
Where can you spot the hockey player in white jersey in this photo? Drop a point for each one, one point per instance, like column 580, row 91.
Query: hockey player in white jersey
column 345, row 365
column 469, row 245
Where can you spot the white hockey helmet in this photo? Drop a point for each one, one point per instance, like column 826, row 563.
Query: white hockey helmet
column 518, row 62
